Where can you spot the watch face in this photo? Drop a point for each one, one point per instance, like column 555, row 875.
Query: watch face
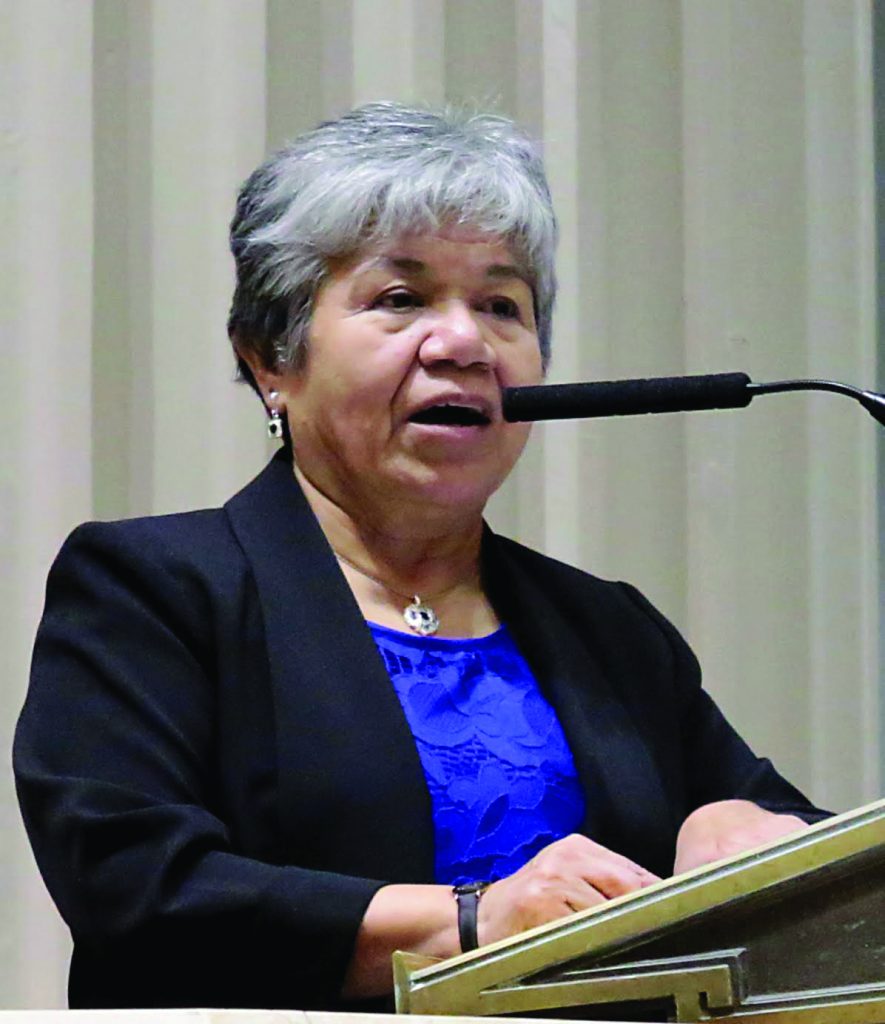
column 469, row 887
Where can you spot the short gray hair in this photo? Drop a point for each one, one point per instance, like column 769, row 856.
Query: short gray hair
column 381, row 170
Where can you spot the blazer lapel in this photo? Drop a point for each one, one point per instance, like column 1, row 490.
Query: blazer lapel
column 627, row 807
column 342, row 739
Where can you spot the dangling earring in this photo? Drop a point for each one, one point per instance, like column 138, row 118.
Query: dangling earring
column 274, row 420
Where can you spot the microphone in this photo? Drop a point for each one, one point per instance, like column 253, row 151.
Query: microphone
column 661, row 394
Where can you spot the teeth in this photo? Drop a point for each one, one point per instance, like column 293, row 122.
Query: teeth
column 451, row 415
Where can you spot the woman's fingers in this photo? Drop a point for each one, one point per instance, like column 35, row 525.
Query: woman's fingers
column 578, row 861
column 571, row 874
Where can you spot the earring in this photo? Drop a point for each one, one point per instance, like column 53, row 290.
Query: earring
column 274, row 420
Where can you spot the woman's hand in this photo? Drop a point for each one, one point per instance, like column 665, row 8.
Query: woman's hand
column 571, row 874
column 728, row 827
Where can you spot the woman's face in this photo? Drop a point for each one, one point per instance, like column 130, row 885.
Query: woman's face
column 411, row 344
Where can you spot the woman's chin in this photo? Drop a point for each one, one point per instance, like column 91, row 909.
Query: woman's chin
column 459, row 475
column 448, row 489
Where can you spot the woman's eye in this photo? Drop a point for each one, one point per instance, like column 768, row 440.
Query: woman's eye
column 506, row 309
column 400, row 299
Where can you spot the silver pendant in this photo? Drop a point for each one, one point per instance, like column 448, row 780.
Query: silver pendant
column 420, row 618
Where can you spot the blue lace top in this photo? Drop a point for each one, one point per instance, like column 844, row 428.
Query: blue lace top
column 500, row 773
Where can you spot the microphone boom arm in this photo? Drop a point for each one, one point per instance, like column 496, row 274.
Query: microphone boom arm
column 873, row 402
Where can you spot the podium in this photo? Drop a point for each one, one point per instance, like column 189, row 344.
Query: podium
column 789, row 933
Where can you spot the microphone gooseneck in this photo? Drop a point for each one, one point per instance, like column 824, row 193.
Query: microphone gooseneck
column 873, row 402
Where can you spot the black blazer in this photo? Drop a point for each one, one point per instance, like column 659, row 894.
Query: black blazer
column 216, row 774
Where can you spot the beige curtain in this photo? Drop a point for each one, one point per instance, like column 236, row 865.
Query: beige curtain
column 712, row 166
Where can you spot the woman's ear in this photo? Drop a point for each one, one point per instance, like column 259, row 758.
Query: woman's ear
column 266, row 382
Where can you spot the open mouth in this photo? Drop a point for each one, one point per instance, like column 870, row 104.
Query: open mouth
column 451, row 416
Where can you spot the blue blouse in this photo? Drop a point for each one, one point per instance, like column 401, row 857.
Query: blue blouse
column 501, row 777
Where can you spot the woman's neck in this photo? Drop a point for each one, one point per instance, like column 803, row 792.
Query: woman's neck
column 410, row 553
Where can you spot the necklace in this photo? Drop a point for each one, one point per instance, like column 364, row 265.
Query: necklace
column 417, row 615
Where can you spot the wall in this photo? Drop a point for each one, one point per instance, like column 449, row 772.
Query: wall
column 712, row 166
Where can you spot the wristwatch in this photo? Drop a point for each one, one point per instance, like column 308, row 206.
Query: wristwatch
column 468, row 896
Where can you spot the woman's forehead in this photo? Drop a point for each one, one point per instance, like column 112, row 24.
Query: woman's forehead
column 442, row 250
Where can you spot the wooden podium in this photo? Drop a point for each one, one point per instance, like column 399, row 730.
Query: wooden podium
column 789, row 933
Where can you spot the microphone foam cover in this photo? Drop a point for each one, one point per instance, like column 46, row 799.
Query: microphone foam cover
column 627, row 397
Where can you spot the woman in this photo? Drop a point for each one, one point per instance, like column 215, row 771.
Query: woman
column 262, row 743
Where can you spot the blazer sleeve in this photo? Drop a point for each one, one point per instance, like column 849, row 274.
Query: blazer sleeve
column 717, row 764
column 114, row 756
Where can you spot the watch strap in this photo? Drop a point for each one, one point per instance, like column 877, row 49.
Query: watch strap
column 468, row 897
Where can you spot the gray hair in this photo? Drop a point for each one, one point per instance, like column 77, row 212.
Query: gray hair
column 381, row 170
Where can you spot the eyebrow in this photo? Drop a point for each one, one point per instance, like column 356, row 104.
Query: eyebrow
column 416, row 268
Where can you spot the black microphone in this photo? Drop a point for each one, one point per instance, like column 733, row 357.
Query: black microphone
column 661, row 394
column 627, row 397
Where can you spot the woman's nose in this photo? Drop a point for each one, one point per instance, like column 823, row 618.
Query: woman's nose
column 455, row 335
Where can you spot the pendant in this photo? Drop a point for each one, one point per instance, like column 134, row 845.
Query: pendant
column 420, row 618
